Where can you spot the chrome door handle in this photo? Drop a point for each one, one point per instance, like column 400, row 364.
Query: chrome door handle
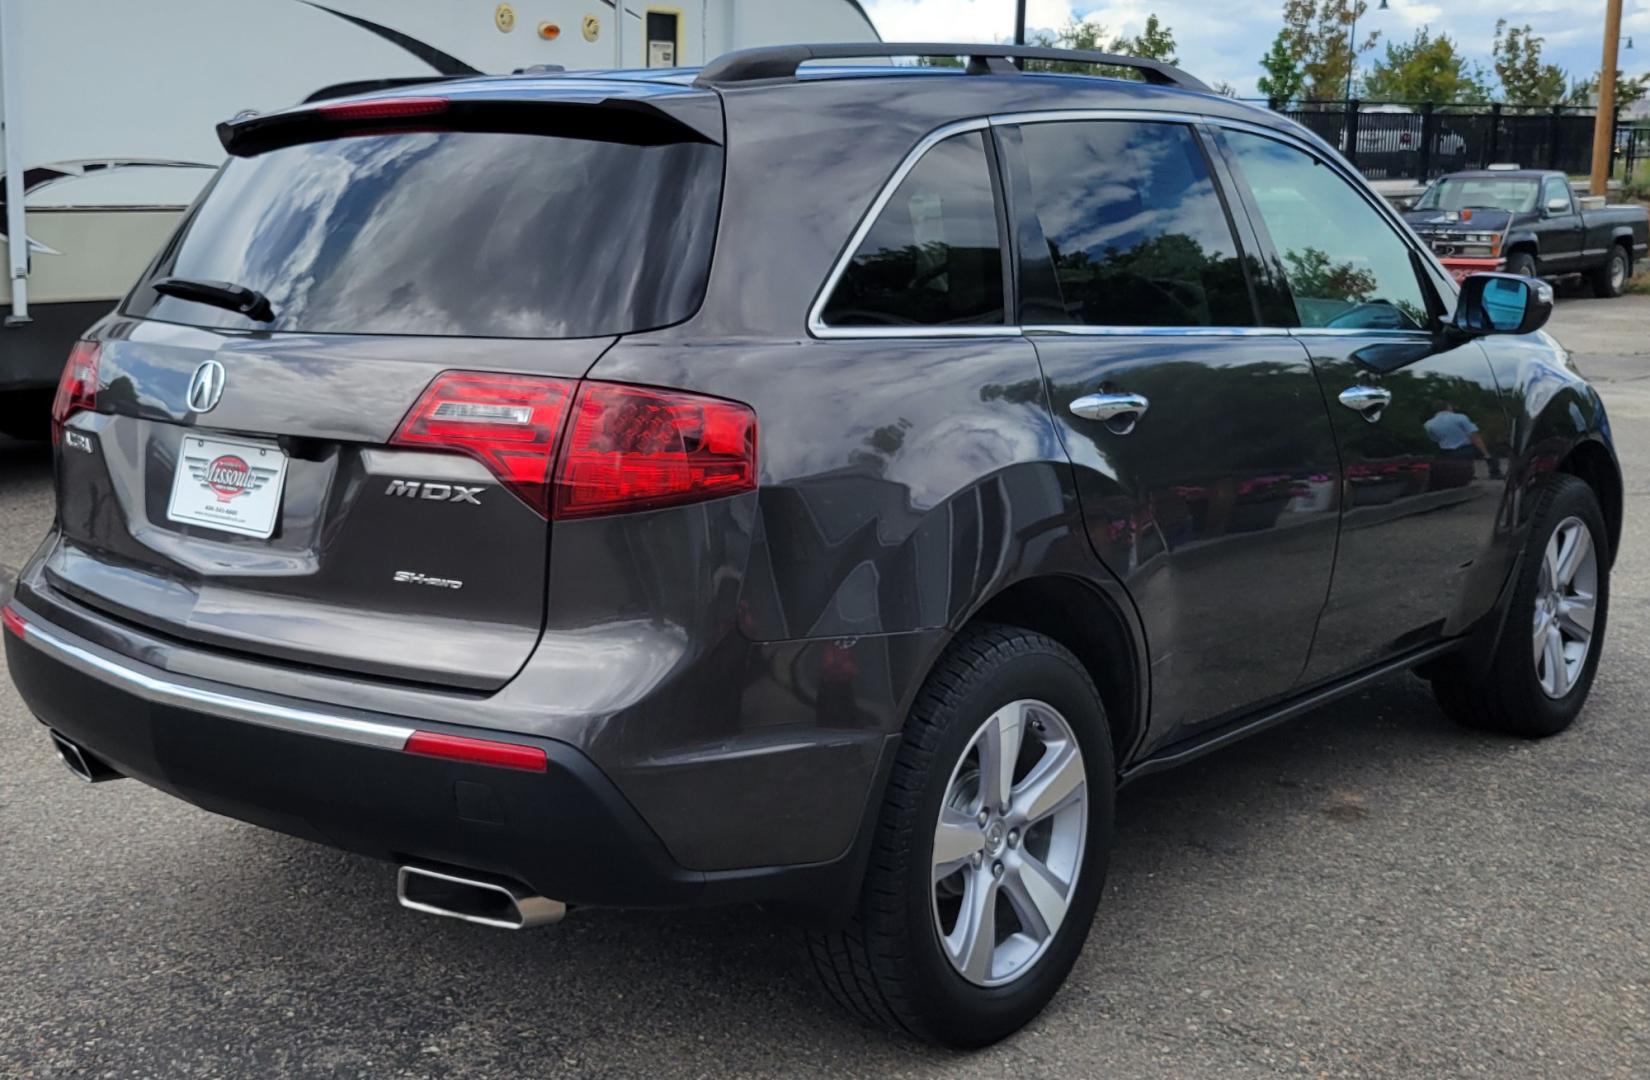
column 1366, row 400
column 1120, row 412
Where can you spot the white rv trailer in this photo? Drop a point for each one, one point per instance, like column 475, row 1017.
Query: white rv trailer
column 110, row 106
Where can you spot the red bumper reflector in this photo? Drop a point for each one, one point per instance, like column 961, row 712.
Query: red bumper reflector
column 14, row 622
column 479, row 751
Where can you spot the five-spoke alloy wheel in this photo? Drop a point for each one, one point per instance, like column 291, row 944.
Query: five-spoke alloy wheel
column 1535, row 680
column 1564, row 607
column 1009, row 844
column 990, row 851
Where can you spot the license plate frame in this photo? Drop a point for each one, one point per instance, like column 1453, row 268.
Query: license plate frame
column 230, row 484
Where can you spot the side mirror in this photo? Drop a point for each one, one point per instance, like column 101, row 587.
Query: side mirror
column 1503, row 304
column 1558, row 205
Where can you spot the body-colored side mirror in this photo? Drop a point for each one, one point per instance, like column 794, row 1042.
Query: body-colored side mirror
column 1503, row 304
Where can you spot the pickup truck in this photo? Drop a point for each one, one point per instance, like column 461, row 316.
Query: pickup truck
column 1527, row 221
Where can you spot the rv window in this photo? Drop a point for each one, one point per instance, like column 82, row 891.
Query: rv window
column 453, row 233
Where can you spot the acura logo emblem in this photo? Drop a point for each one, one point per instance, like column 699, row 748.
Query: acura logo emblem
column 206, row 387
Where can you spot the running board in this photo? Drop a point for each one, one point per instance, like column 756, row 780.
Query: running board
column 1179, row 753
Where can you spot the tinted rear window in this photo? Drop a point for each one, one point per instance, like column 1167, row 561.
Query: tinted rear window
column 468, row 234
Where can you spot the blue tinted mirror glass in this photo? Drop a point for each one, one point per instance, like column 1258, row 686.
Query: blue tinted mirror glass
column 1504, row 303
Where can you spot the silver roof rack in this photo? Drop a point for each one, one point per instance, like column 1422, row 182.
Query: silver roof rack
column 779, row 63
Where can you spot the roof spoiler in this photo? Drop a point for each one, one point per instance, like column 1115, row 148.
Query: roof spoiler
column 780, row 62
column 637, row 121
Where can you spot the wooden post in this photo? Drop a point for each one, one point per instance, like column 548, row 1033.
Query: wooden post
column 1604, row 133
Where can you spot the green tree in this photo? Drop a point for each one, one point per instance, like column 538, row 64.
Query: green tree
column 1318, row 37
column 1154, row 42
column 1284, row 80
column 1525, row 79
column 1629, row 92
column 1425, row 68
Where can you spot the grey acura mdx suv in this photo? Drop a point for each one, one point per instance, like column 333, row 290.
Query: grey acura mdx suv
column 814, row 487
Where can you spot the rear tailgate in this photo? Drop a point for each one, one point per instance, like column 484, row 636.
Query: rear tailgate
column 353, row 473
column 400, row 563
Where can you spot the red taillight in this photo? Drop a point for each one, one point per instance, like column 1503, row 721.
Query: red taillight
column 635, row 448
column 627, row 448
column 387, row 109
column 480, row 751
column 77, row 389
column 507, row 422
column 13, row 621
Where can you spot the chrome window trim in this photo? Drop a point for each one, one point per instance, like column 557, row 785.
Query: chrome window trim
column 248, row 710
column 818, row 328
column 816, row 314
column 1337, row 331
column 1079, row 330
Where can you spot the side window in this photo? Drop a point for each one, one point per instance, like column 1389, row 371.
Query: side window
column 1136, row 231
column 934, row 256
column 1346, row 266
column 1554, row 187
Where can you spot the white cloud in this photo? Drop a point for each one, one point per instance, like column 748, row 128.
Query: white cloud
column 1224, row 42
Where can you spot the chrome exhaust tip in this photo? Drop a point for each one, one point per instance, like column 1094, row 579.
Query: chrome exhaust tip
column 83, row 764
column 496, row 902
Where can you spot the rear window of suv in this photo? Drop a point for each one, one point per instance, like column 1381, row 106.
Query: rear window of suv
column 459, row 233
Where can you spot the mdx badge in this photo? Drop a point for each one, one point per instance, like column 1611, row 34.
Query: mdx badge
column 423, row 489
column 205, row 387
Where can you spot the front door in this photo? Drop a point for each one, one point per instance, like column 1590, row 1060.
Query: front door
column 1420, row 426
column 1559, row 233
column 1204, row 455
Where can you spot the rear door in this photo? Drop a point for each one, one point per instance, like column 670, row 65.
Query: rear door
column 1418, row 418
column 1203, row 451
column 360, row 482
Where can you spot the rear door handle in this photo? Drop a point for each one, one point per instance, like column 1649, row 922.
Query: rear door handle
column 1120, row 412
column 1366, row 400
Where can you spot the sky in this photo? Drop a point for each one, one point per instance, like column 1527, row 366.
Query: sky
column 1223, row 41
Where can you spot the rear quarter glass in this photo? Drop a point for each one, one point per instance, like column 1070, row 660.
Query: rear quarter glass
column 452, row 233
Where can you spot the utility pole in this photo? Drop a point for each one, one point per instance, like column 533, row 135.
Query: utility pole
column 1020, row 22
column 1604, row 124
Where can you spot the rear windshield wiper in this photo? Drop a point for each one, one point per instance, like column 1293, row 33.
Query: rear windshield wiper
column 225, row 294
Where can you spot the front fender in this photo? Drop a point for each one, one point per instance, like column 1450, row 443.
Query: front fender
column 1522, row 239
column 1552, row 411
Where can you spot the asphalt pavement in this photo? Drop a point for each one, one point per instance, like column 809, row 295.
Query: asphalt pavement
column 1366, row 892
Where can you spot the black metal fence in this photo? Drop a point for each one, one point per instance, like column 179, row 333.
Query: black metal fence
column 1419, row 140
column 1632, row 149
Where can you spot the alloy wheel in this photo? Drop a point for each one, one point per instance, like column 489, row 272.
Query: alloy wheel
column 1565, row 602
column 1008, row 846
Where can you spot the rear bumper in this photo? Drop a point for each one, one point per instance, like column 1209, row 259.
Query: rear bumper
column 342, row 778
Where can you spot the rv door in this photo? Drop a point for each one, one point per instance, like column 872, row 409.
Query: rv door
column 11, row 108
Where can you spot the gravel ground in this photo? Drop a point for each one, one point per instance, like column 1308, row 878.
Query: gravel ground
column 1366, row 892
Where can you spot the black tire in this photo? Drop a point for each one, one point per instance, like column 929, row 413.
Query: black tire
column 1506, row 696
column 887, row 964
column 26, row 415
column 1610, row 280
column 1522, row 262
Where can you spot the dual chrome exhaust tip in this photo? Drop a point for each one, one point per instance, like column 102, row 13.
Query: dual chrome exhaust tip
column 83, row 763
column 485, row 901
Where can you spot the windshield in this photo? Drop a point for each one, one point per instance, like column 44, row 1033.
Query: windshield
column 473, row 234
column 1479, row 192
